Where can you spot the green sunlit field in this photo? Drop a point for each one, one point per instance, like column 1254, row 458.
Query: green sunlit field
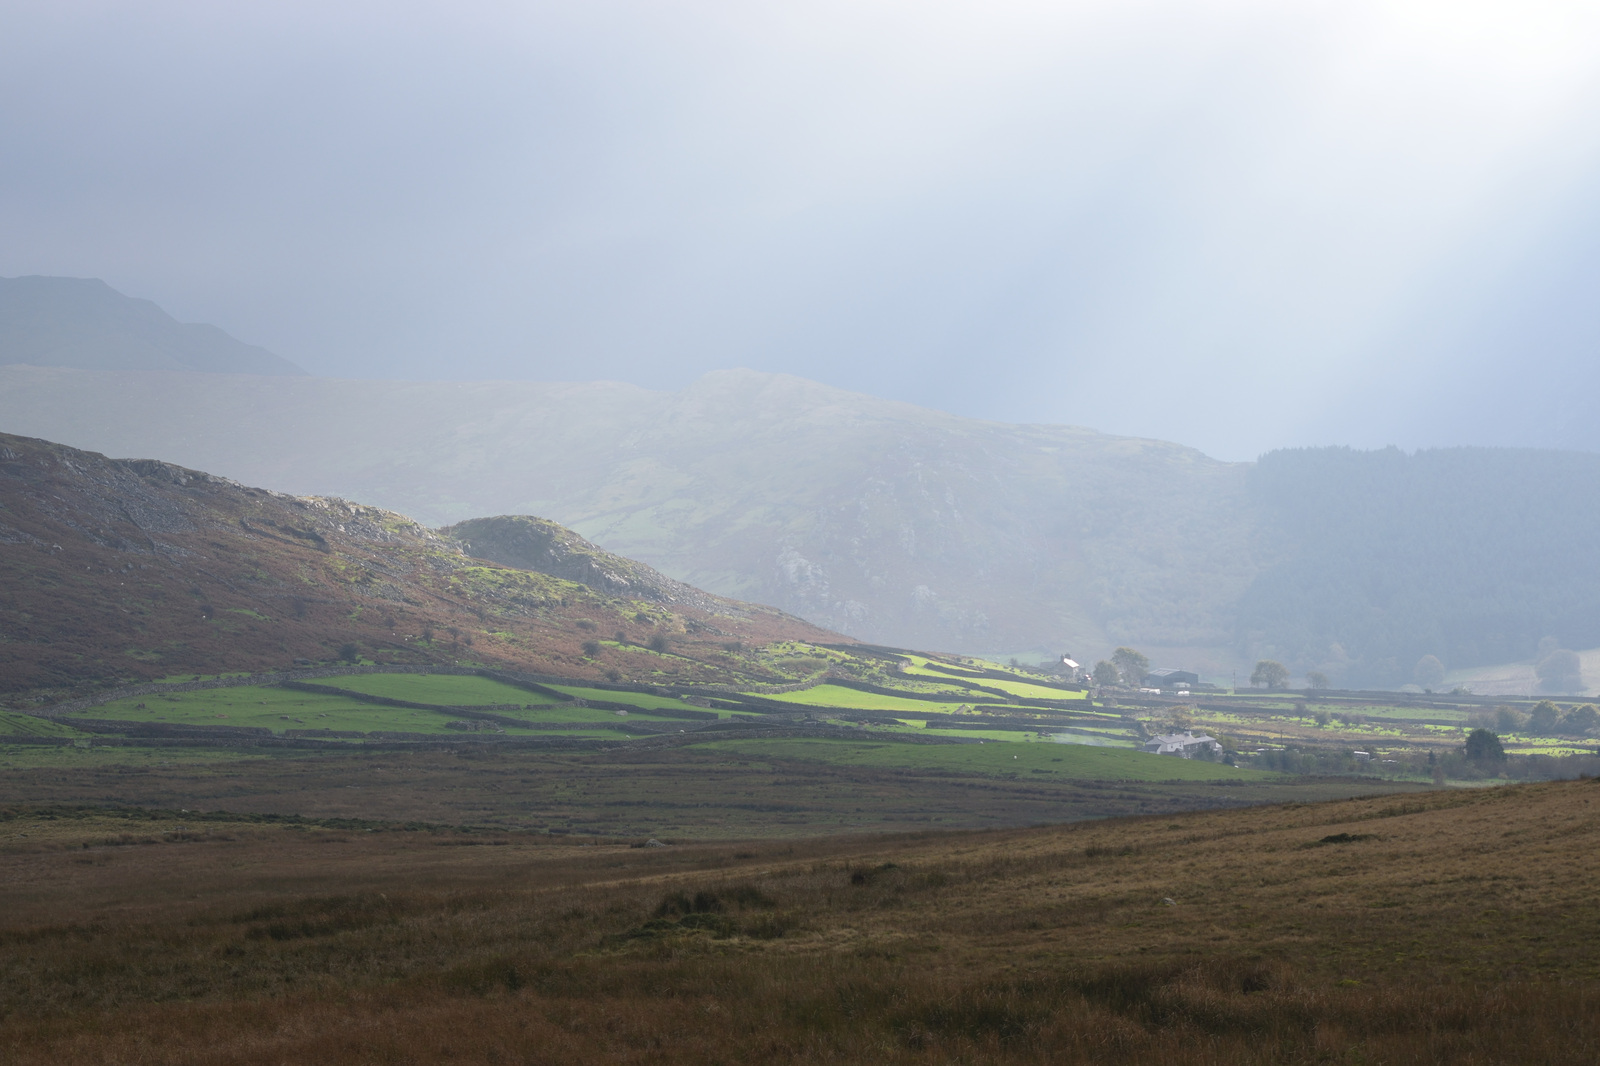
column 27, row 725
column 280, row 710
column 643, row 700
column 448, row 689
column 853, row 699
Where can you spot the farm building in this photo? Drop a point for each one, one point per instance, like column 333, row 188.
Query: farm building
column 1171, row 679
column 1183, row 745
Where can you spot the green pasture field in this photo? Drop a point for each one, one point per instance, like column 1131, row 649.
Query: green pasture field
column 1372, row 728
column 266, row 707
column 853, row 699
column 26, row 725
column 1401, row 714
column 450, row 689
column 643, row 700
column 1032, row 692
column 989, row 736
column 1015, row 686
column 280, row 710
column 1520, row 745
column 1008, row 736
column 1068, row 761
column 916, row 680
column 1093, row 738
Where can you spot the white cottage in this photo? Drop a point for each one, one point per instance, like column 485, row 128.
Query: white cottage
column 1183, row 745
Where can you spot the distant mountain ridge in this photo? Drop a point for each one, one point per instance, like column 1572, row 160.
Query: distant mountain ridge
column 916, row 528
column 85, row 324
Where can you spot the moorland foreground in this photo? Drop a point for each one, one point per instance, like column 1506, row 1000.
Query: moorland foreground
column 1456, row 925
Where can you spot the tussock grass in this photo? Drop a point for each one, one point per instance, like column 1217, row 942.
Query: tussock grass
column 1457, row 927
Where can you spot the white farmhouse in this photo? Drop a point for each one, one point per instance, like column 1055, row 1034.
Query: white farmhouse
column 1183, row 745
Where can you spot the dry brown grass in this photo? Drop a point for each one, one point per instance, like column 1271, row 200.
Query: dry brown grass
column 1452, row 927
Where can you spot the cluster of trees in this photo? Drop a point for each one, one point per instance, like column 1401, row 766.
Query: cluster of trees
column 1125, row 667
column 1459, row 555
column 1546, row 719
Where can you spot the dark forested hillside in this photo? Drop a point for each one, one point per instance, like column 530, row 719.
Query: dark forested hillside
column 1470, row 554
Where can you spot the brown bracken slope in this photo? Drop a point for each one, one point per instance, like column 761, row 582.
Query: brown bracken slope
column 114, row 570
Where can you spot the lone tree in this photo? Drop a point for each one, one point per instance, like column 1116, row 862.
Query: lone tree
column 1269, row 673
column 1317, row 679
column 1132, row 665
column 1429, row 672
column 1105, row 674
column 1483, row 748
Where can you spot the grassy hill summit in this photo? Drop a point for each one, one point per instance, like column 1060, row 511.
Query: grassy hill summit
column 85, row 323
column 530, row 543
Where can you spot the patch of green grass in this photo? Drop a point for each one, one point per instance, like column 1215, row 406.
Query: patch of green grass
column 448, row 689
column 281, row 710
column 853, row 699
column 643, row 700
column 1073, row 761
column 13, row 724
column 1031, row 691
column 264, row 707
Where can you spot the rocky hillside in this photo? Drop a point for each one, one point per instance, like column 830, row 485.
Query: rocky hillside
column 530, row 543
column 135, row 569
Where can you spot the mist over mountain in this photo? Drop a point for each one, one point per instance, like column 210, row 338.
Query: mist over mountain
column 86, row 324
column 913, row 527
column 1473, row 555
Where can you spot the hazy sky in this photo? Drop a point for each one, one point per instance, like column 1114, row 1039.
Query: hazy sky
column 1238, row 225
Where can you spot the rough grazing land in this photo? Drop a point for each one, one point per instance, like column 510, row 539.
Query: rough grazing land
column 778, row 788
column 1451, row 927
